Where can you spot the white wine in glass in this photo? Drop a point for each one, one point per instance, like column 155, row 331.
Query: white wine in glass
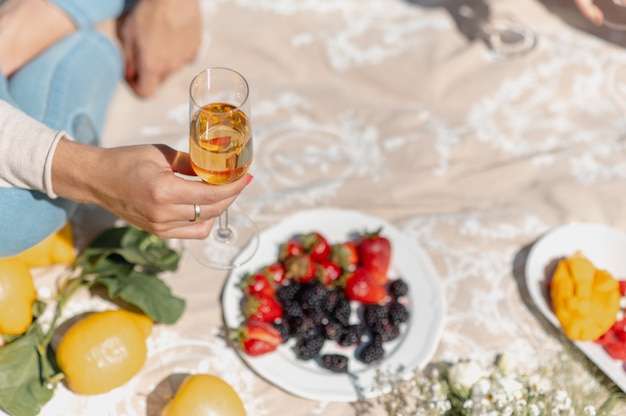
column 221, row 151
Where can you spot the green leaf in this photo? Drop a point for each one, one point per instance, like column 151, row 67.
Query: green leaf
column 23, row 384
column 128, row 245
column 147, row 292
column 106, row 263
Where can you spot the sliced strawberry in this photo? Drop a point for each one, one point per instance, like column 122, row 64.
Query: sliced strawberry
column 362, row 286
column 300, row 268
column 328, row 272
column 289, row 249
column 619, row 325
column 256, row 338
column 622, row 287
column 261, row 308
column 607, row 337
column 375, row 255
column 345, row 255
column 616, row 349
column 276, row 272
column 316, row 246
column 257, row 284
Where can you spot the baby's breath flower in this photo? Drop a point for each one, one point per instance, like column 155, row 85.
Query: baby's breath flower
column 590, row 411
column 466, row 388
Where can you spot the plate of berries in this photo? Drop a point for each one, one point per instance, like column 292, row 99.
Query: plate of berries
column 331, row 298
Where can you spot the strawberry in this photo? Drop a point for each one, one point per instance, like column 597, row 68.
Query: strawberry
column 362, row 286
column 261, row 308
column 345, row 255
column 257, row 284
column 256, row 338
column 606, row 338
column 276, row 272
column 375, row 255
column 616, row 349
column 316, row 246
column 289, row 249
column 328, row 272
column 622, row 287
column 619, row 325
column 300, row 268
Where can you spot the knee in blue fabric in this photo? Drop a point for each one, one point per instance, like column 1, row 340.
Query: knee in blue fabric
column 73, row 79
column 84, row 131
column 28, row 217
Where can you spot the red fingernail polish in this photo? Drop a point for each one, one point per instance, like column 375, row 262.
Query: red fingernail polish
column 249, row 179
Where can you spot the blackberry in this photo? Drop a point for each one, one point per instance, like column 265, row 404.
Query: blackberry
column 336, row 363
column 332, row 299
column 288, row 293
column 309, row 348
column 351, row 335
column 371, row 352
column 314, row 296
column 282, row 325
column 342, row 311
column 373, row 314
column 387, row 331
column 398, row 313
column 292, row 309
column 332, row 330
column 398, row 288
column 316, row 315
column 304, row 327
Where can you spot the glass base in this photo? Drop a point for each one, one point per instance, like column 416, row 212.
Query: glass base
column 507, row 38
column 227, row 249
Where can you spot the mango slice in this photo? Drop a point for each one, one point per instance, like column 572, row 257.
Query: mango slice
column 585, row 299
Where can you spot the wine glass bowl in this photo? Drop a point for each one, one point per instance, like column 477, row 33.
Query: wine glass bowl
column 221, row 152
column 220, row 143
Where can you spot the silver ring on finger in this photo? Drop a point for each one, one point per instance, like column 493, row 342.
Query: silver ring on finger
column 196, row 208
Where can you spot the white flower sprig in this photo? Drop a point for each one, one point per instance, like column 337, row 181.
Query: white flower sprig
column 465, row 388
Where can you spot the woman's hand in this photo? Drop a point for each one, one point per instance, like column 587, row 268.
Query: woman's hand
column 158, row 37
column 590, row 11
column 138, row 184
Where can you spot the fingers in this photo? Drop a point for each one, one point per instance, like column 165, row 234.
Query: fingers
column 146, row 82
column 590, row 11
column 181, row 163
column 184, row 195
column 195, row 230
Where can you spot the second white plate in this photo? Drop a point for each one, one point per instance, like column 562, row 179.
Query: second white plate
column 414, row 348
column 605, row 247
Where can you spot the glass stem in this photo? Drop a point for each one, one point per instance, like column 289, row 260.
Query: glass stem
column 223, row 231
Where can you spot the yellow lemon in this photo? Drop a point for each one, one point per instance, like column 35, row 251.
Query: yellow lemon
column 57, row 248
column 205, row 395
column 17, row 294
column 103, row 350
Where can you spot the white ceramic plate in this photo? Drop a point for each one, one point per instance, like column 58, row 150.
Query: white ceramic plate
column 605, row 247
column 413, row 349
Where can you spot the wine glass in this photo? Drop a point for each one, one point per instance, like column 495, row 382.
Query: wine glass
column 503, row 34
column 220, row 148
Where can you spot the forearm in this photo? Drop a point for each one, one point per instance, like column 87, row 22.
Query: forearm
column 73, row 166
column 26, row 149
column 27, row 27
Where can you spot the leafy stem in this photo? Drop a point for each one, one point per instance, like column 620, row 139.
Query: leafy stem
column 126, row 261
column 68, row 290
